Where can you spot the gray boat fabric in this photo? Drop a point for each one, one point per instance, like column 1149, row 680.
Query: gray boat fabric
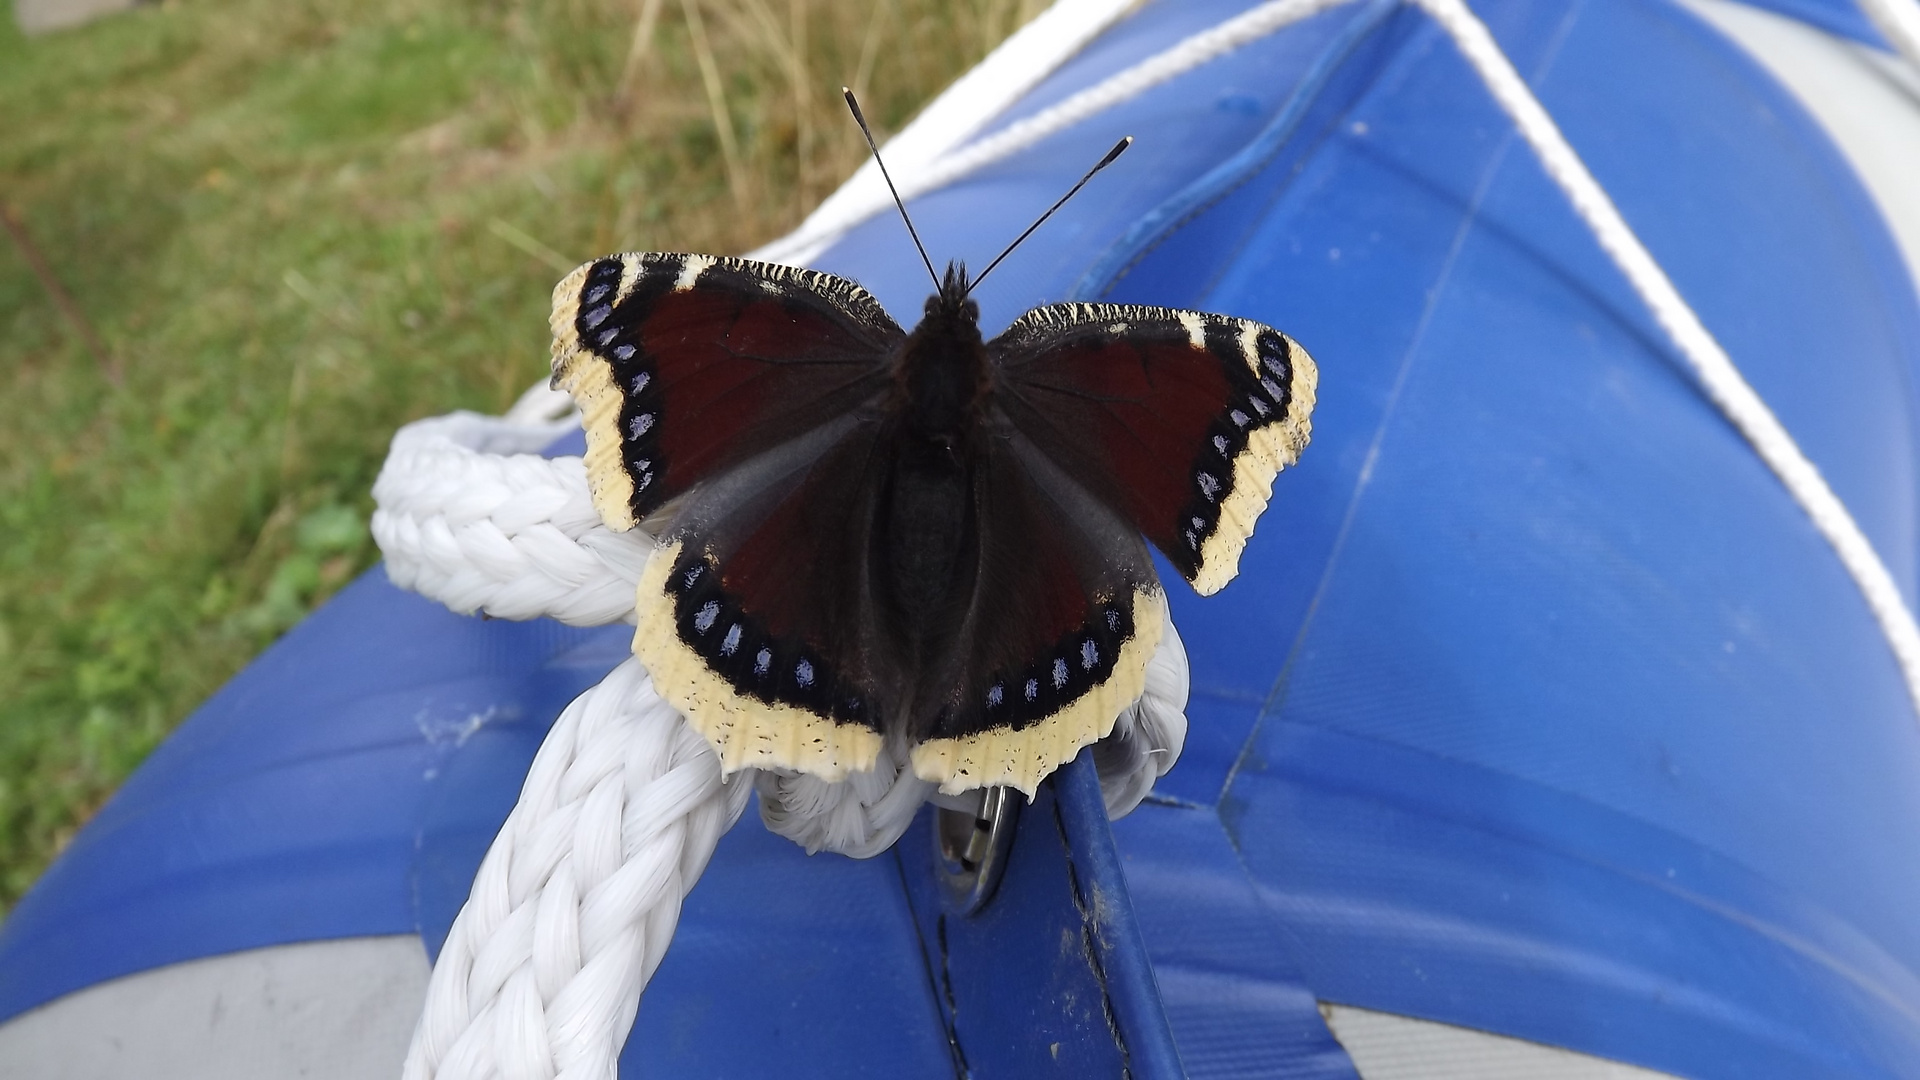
column 1384, row 1046
column 327, row 1010
column 46, row 16
column 1868, row 102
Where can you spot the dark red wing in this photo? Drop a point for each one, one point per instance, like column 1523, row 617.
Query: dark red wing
column 772, row 619
column 758, row 616
column 1049, row 636
column 687, row 365
column 1177, row 419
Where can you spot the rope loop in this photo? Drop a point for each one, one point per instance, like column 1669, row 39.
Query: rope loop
column 469, row 515
column 577, row 899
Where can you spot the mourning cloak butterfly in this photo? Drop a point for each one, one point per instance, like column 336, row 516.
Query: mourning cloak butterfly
column 871, row 535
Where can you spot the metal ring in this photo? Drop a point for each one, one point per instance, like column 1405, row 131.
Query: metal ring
column 970, row 849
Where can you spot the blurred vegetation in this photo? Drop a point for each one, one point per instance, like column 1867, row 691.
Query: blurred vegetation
column 293, row 225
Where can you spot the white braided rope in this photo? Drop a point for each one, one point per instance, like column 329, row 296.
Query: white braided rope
column 577, row 898
column 1148, row 738
column 1899, row 22
column 1725, row 386
column 917, row 178
column 464, row 519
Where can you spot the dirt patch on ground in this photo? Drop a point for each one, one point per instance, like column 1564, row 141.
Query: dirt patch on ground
column 45, row 16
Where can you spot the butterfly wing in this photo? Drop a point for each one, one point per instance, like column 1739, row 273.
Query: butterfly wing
column 759, row 617
column 771, row 615
column 685, row 366
column 739, row 395
column 1177, row 419
column 1051, row 631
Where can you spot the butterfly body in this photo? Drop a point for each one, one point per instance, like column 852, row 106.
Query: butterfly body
column 945, row 379
column 941, row 390
column 929, row 538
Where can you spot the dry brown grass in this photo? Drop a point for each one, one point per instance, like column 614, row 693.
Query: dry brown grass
column 296, row 224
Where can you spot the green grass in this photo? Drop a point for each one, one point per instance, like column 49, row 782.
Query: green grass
column 286, row 221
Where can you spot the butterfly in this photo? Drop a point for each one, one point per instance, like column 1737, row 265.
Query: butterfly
column 867, row 534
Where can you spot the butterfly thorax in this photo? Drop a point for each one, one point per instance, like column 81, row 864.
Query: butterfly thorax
column 942, row 373
column 941, row 381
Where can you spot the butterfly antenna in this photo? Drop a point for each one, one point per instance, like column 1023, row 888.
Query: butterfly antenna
column 1118, row 149
column 911, row 231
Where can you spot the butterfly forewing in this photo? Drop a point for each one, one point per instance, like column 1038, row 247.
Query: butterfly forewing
column 686, row 365
column 1180, row 420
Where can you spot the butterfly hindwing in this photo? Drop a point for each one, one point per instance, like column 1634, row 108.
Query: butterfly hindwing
column 1052, row 634
column 1178, row 419
column 687, row 365
column 758, row 617
column 772, row 615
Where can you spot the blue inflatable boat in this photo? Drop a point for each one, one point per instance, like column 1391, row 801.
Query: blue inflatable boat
column 1544, row 734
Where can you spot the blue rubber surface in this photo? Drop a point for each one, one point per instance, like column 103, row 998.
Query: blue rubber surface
column 295, row 804
column 1539, row 707
column 1050, row 978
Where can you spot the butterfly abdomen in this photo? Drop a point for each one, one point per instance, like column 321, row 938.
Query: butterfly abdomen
column 925, row 522
column 941, row 382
